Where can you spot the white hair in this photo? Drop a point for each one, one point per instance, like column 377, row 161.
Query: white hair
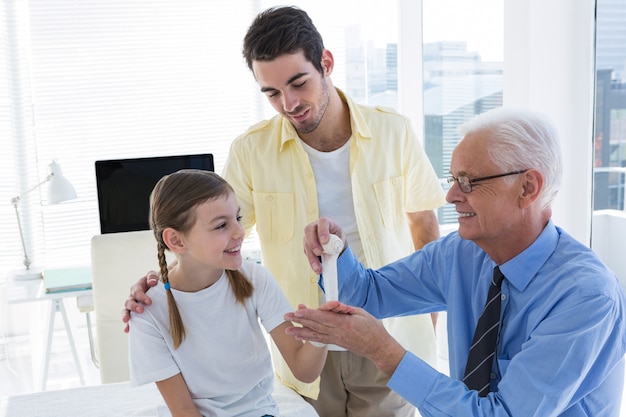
column 521, row 139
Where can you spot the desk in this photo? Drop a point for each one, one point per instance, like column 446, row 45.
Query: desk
column 32, row 291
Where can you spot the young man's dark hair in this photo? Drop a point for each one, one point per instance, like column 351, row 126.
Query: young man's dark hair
column 283, row 30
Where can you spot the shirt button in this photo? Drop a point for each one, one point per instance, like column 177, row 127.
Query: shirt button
column 503, row 297
column 269, row 198
column 492, row 376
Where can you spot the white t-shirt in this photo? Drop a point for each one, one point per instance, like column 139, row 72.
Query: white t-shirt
column 224, row 358
column 334, row 190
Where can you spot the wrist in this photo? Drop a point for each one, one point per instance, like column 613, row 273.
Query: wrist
column 389, row 359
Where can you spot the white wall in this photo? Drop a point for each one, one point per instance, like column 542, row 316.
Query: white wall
column 607, row 240
column 549, row 66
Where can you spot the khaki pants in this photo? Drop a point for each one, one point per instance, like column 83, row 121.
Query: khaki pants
column 351, row 386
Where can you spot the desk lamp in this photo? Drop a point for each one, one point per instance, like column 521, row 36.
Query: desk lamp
column 59, row 190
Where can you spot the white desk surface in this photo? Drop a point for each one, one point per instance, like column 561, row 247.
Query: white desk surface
column 33, row 290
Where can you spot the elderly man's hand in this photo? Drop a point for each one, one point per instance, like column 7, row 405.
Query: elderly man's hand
column 351, row 328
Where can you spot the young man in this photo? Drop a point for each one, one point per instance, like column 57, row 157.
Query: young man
column 324, row 155
column 559, row 347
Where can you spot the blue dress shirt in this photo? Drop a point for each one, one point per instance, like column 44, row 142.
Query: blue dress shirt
column 562, row 338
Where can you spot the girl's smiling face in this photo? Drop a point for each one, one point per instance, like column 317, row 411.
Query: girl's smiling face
column 215, row 238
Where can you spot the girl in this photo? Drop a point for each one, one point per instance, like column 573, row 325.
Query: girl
column 200, row 340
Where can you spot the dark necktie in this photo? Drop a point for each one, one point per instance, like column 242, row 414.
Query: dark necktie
column 480, row 359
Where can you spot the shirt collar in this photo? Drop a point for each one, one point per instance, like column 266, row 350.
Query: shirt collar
column 357, row 121
column 520, row 270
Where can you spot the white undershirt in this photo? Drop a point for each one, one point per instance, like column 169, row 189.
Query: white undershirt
column 334, row 190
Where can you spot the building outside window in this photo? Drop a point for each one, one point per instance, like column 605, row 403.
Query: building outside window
column 610, row 117
column 463, row 74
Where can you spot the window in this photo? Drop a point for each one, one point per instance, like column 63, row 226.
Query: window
column 610, row 117
column 463, row 74
column 609, row 216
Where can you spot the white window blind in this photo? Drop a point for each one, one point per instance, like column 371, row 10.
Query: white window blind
column 16, row 135
column 122, row 79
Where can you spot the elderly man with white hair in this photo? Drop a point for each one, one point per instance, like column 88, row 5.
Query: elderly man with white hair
column 535, row 319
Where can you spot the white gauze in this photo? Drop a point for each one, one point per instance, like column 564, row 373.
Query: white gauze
column 331, row 251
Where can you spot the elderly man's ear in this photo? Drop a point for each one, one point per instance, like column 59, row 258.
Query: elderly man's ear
column 532, row 184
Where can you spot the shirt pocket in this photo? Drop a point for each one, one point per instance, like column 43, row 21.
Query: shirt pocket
column 274, row 216
column 390, row 199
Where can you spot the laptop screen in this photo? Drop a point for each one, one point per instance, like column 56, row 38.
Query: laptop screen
column 124, row 187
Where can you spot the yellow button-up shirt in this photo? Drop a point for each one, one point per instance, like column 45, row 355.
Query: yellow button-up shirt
column 275, row 187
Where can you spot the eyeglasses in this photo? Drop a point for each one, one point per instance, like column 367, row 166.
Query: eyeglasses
column 465, row 183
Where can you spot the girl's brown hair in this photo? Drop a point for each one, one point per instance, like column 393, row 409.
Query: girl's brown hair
column 171, row 205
